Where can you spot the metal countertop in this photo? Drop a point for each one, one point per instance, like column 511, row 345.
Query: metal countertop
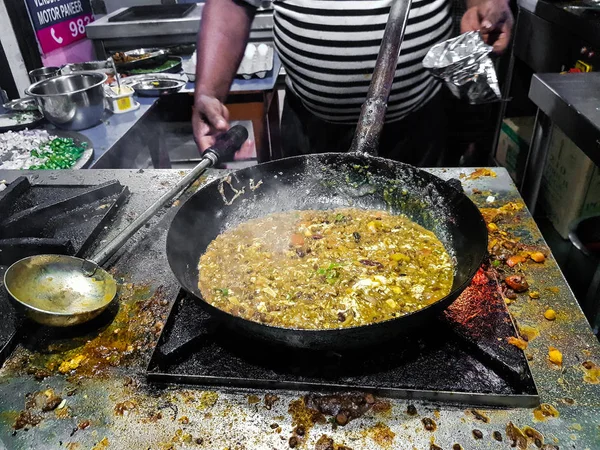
column 572, row 101
column 567, row 15
column 102, row 29
column 224, row 418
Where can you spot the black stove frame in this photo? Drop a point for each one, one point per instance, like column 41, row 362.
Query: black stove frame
column 450, row 364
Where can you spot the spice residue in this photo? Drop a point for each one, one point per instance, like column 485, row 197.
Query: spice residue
column 37, row 403
column 253, row 399
column 478, row 173
column 125, row 341
column 382, row 434
column 517, row 437
column 535, row 435
column 327, row 443
column 591, row 372
column 303, row 416
column 545, row 411
column 550, row 314
column 123, row 408
column 207, row 400
column 555, row 356
column 479, row 415
column 517, row 342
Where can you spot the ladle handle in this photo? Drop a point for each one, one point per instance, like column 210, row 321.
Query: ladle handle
column 226, row 144
column 372, row 113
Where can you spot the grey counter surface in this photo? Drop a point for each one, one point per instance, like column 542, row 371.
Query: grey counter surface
column 572, row 102
column 231, row 419
column 115, row 127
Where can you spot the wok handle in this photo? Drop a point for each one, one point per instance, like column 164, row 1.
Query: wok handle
column 227, row 144
column 372, row 113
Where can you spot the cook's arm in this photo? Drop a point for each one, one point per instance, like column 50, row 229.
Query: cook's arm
column 224, row 30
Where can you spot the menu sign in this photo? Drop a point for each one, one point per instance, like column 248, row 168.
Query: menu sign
column 59, row 23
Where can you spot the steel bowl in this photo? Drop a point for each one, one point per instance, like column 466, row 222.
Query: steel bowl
column 153, row 87
column 71, row 102
column 53, row 290
column 43, row 73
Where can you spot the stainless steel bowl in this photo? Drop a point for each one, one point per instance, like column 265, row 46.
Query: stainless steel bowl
column 153, row 87
column 43, row 73
column 71, row 102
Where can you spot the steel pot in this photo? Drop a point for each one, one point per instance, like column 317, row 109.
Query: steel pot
column 43, row 73
column 71, row 102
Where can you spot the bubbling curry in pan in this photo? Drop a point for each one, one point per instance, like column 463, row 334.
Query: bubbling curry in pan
column 325, row 269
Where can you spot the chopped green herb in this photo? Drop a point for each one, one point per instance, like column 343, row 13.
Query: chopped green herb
column 340, row 218
column 59, row 153
column 223, row 291
column 330, row 272
column 496, row 263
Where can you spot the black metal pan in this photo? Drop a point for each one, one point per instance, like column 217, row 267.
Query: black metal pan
column 334, row 180
column 328, row 181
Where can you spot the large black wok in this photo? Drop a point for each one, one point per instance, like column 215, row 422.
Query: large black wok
column 334, row 180
column 326, row 181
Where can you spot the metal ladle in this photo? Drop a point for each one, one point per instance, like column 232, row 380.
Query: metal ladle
column 60, row 290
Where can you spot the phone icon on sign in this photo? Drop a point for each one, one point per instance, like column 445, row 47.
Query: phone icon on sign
column 55, row 37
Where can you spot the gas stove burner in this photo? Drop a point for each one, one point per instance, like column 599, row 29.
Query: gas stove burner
column 55, row 219
column 462, row 358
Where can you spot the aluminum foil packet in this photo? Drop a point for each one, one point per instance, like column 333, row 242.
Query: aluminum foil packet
column 464, row 64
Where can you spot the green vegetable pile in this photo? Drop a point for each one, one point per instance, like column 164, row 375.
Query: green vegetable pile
column 164, row 66
column 59, row 153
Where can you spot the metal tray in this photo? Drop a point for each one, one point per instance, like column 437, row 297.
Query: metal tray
column 155, row 87
column 79, row 139
column 22, row 104
column 37, row 119
column 176, row 68
column 153, row 12
column 155, row 57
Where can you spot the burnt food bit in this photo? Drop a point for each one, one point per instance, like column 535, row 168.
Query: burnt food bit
column 457, row 447
column 356, row 236
column 343, row 407
column 480, row 416
column 411, row 410
column 429, row 424
column 341, row 419
column 25, row 419
column 300, row 431
column 51, row 400
column 270, row 400
column 293, row 442
column 324, row 443
column 477, row 434
column 497, row 436
column 517, row 283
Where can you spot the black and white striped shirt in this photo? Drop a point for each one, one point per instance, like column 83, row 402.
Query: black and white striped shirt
column 329, row 49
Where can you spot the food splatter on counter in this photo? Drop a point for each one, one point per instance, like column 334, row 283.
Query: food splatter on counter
column 88, row 390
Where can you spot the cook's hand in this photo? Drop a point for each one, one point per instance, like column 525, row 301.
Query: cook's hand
column 210, row 117
column 493, row 19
